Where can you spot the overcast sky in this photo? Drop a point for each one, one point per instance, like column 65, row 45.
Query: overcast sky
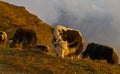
column 98, row 20
column 48, row 10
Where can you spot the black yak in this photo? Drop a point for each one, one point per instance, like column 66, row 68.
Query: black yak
column 100, row 52
column 23, row 38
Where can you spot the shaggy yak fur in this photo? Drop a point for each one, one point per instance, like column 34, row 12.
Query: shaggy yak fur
column 3, row 38
column 67, row 42
column 99, row 52
column 23, row 38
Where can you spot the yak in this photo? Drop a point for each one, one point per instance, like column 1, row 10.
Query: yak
column 3, row 38
column 67, row 41
column 101, row 52
column 23, row 38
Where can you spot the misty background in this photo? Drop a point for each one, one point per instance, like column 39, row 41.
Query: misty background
column 98, row 20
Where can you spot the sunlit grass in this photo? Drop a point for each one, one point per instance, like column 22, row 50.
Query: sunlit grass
column 29, row 61
column 37, row 62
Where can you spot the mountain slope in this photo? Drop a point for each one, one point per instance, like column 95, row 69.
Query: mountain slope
column 13, row 17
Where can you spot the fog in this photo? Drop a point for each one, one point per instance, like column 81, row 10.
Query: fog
column 98, row 20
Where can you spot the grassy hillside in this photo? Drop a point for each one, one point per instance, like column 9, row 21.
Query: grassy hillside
column 13, row 61
column 13, row 17
column 34, row 62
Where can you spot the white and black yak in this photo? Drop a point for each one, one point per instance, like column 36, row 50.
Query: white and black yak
column 3, row 38
column 67, row 42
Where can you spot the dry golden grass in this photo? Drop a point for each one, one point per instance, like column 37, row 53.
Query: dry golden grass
column 34, row 62
column 14, row 17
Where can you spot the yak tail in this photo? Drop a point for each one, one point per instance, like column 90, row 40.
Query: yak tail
column 115, row 58
column 80, row 49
